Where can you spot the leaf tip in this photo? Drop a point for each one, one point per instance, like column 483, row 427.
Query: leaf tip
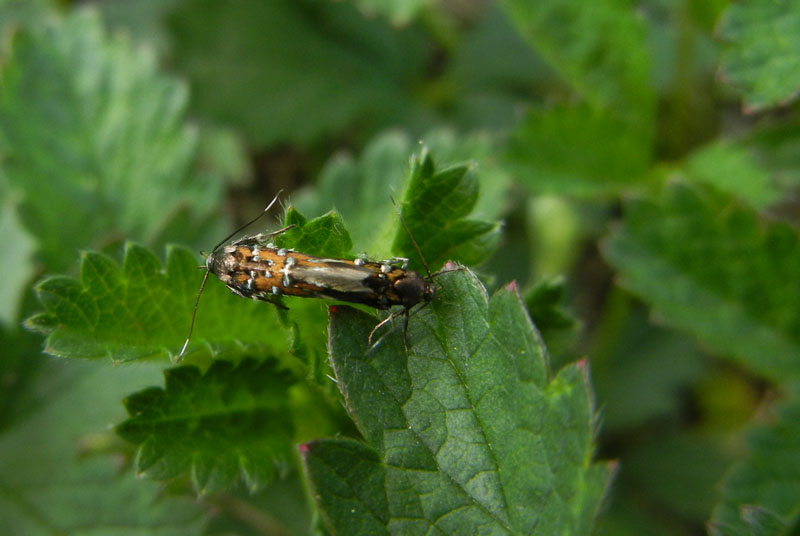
column 450, row 266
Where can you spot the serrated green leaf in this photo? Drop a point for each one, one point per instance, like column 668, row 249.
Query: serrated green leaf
column 228, row 423
column 244, row 69
column 730, row 168
column 53, row 483
column 712, row 268
column 464, row 433
column 434, row 209
column 763, row 59
column 142, row 309
column 362, row 193
column 761, row 494
column 114, row 147
column 325, row 236
column 483, row 149
column 360, row 190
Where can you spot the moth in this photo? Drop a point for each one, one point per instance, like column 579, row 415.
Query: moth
column 253, row 267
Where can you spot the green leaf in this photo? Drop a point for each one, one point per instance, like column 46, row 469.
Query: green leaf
column 464, row 433
column 577, row 150
column 143, row 19
column 143, row 309
column 246, row 68
column 229, row 422
column 439, row 200
column 600, row 51
column 629, row 373
column 114, row 146
column 325, row 236
column 54, row 478
column 362, row 193
column 16, row 264
column 360, row 190
column 545, row 303
column 710, row 267
column 761, row 493
column 730, row 168
column 491, row 72
column 763, row 61
column 398, row 12
column 483, row 149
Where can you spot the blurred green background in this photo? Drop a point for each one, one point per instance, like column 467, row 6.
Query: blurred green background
column 642, row 156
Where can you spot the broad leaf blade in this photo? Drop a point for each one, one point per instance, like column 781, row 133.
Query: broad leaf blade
column 434, row 209
column 55, row 482
column 115, row 146
column 464, row 431
column 597, row 48
column 761, row 495
column 244, row 68
column 763, row 60
column 731, row 168
column 604, row 142
column 712, row 268
column 577, row 150
column 143, row 309
column 227, row 423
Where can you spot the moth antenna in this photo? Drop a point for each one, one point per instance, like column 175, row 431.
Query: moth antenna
column 411, row 237
column 248, row 224
column 205, row 277
column 194, row 314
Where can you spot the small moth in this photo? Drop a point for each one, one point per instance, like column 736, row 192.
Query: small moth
column 253, row 267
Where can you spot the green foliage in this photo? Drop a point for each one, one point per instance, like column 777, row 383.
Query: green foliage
column 114, row 146
column 346, row 68
column 664, row 252
column 452, row 425
column 433, row 198
column 396, row 12
column 730, row 168
column 17, row 268
column 56, row 477
column 712, row 268
column 226, row 422
column 440, row 199
column 325, row 236
column 762, row 59
column 609, row 154
column 144, row 310
column 604, row 142
column 545, row 303
column 760, row 495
